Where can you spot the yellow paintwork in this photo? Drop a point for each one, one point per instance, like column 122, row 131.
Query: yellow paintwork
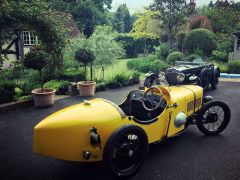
column 65, row 134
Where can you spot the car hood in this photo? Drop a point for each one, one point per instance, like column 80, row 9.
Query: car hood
column 89, row 112
column 181, row 68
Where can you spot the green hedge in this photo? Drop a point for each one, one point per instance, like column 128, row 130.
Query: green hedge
column 220, row 56
column 234, row 67
column 146, row 64
column 200, row 39
column 175, row 56
column 162, row 51
column 73, row 75
column 61, row 87
column 7, row 91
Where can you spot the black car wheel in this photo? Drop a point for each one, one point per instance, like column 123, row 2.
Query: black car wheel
column 213, row 118
column 204, row 77
column 148, row 82
column 215, row 80
column 125, row 151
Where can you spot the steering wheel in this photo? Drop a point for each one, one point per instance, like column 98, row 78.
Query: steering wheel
column 146, row 98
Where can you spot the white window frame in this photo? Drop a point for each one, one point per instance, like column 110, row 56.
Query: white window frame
column 27, row 38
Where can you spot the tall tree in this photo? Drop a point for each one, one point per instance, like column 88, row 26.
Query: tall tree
column 147, row 26
column 122, row 22
column 87, row 13
column 174, row 15
column 223, row 20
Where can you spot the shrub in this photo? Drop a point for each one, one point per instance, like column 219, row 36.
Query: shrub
column 234, row 67
column 219, row 56
column 192, row 57
column 146, row 64
column 101, row 86
column 31, row 81
column 202, row 39
column 174, row 56
column 61, row 87
column 222, row 66
column 225, row 42
column 119, row 80
column 162, row 51
column 73, row 75
column 7, row 91
column 135, row 77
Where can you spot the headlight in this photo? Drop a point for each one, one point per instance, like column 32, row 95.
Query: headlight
column 162, row 75
column 180, row 77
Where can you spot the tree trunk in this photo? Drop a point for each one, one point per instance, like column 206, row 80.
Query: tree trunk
column 170, row 41
column 103, row 72
column 91, row 71
column 40, row 73
column 85, row 77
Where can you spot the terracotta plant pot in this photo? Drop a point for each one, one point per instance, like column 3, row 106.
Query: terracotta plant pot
column 45, row 98
column 86, row 89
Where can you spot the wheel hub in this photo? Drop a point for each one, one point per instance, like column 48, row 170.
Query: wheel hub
column 130, row 153
column 212, row 117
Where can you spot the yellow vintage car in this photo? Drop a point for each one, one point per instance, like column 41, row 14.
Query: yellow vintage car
column 119, row 135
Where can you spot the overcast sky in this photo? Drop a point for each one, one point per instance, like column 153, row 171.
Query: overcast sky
column 135, row 5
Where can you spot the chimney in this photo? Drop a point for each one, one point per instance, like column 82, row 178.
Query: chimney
column 192, row 5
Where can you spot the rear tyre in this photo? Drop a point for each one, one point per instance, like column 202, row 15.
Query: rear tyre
column 125, row 151
column 215, row 80
column 213, row 118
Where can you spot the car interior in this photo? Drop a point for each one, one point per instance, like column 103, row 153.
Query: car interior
column 133, row 106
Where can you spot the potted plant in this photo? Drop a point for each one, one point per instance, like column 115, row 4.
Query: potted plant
column 36, row 59
column 85, row 56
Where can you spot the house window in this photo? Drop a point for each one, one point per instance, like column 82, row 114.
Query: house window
column 30, row 38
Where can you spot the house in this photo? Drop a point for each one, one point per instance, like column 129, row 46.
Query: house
column 197, row 21
column 235, row 55
column 24, row 39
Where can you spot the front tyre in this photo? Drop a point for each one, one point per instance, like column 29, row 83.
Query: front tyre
column 213, row 118
column 148, row 82
column 125, row 151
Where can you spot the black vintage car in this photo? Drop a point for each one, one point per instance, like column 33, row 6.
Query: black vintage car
column 195, row 72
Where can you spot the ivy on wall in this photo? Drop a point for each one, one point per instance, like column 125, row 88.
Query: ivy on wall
column 34, row 15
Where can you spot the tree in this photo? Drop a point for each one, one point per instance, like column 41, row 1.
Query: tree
column 86, row 13
column 104, row 47
column 174, row 14
column 86, row 57
column 147, row 26
column 36, row 59
column 200, row 40
column 122, row 22
column 223, row 20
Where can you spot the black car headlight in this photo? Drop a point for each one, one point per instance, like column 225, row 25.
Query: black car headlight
column 180, row 77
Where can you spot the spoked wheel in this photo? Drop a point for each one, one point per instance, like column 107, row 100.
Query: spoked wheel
column 156, row 82
column 213, row 118
column 125, row 151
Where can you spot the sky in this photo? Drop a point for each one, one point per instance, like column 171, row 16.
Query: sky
column 135, row 5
